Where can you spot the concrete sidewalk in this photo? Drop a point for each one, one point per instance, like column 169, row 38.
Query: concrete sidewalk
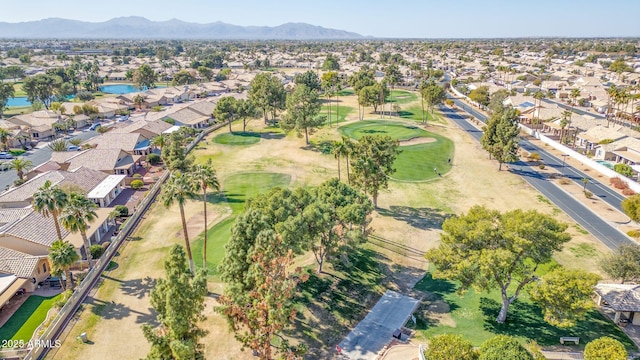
column 371, row 335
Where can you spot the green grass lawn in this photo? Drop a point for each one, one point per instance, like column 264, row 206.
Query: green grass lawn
column 237, row 189
column 415, row 162
column 346, row 92
column 401, row 97
column 415, row 113
column 27, row 318
column 397, row 130
column 237, row 138
column 343, row 111
column 16, row 110
column 17, row 88
column 474, row 315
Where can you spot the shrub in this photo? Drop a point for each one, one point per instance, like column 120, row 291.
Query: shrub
column 503, row 347
column 105, row 245
column 17, row 152
column 631, row 207
column 541, row 166
column 605, row 141
column 588, row 194
column 137, row 176
column 84, row 95
column 137, row 184
column 96, row 251
column 534, row 156
column 565, row 181
column 169, row 121
column 605, row 348
column 628, row 192
column 449, row 346
column 123, row 210
column 63, row 299
column 156, row 108
column 634, row 233
column 623, row 169
column 618, row 183
column 153, row 159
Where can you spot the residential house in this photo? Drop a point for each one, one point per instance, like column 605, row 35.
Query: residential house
column 133, row 143
column 109, row 161
column 590, row 139
column 39, row 123
column 148, row 129
column 20, row 272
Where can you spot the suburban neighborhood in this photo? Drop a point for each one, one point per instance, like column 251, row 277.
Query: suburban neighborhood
column 324, row 197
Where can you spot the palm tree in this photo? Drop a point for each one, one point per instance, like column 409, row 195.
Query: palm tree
column 179, row 188
column 160, row 141
column 50, row 201
column 77, row 216
column 205, row 177
column 62, row 255
column 338, row 149
column 20, row 166
column 348, row 149
column 138, row 101
column 539, row 95
column 5, row 136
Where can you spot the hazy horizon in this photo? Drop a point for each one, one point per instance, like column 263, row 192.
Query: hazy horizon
column 462, row 19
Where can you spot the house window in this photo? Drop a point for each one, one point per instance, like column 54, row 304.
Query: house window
column 36, row 135
column 44, row 267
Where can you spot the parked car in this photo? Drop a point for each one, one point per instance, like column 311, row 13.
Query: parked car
column 73, row 148
column 94, row 126
column 5, row 155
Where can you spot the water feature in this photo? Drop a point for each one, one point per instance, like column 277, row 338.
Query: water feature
column 119, row 89
column 18, row 101
column 605, row 163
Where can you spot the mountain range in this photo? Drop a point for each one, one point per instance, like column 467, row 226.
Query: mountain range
column 134, row 27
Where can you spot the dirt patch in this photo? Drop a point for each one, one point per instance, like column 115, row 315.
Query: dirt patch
column 416, row 141
column 402, row 352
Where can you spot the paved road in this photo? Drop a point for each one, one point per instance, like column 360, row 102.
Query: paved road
column 37, row 157
column 601, row 229
column 598, row 189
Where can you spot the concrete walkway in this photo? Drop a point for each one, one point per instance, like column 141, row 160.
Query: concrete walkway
column 375, row 331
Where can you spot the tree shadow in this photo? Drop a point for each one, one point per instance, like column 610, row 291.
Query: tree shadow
column 323, row 147
column 272, row 135
column 398, row 248
column 138, row 287
column 420, row 218
column 118, row 311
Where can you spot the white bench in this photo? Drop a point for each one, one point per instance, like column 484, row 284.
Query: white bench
column 576, row 340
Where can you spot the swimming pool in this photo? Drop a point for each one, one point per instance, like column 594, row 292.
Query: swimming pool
column 119, row 89
column 18, row 101
column 606, row 163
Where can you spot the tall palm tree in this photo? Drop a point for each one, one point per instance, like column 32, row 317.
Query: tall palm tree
column 5, row 137
column 204, row 177
column 348, row 149
column 179, row 188
column 77, row 216
column 539, row 95
column 20, row 166
column 575, row 94
column 338, row 149
column 62, row 255
column 50, row 201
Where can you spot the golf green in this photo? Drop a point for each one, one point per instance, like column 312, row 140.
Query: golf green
column 237, row 138
column 418, row 161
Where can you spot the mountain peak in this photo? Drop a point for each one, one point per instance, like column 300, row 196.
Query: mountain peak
column 137, row 27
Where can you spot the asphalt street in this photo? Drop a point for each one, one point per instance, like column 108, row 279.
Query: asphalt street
column 37, row 157
column 601, row 229
column 598, row 189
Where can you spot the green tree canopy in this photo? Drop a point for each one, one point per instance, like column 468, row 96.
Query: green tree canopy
column 308, row 78
column 565, row 295
column 450, row 347
column 41, row 87
column 246, row 110
column 480, row 95
column 623, row 264
column 303, row 106
column 6, row 92
column 174, row 154
column 179, row 301
column 372, row 163
column 145, row 77
column 500, row 136
column 267, row 93
column 503, row 347
column 605, row 348
column 486, row 249
column 225, row 110
column 184, row 77
column 331, row 63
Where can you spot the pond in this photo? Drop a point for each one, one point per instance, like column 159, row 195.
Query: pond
column 18, row 101
column 119, row 89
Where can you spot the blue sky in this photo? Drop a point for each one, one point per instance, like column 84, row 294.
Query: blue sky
column 388, row 18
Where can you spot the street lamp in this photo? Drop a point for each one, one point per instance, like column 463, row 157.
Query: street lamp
column 564, row 157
